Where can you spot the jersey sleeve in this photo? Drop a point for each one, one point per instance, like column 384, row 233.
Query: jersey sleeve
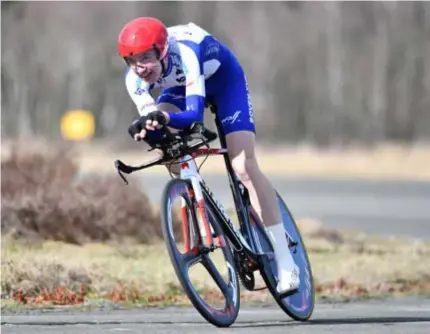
column 194, row 89
column 139, row 93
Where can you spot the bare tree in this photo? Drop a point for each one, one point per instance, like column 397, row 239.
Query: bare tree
column 326, row 73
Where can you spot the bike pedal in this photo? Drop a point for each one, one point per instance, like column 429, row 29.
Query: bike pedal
column 287, row 294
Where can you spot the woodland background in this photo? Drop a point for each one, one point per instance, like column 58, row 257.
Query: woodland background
column 323, row 73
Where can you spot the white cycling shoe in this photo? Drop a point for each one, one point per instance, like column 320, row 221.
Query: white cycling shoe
column 288, row 272
column 289, row 282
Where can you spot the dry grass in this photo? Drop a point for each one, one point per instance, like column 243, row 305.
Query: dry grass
column 343, row 264
column 65, row 242
column 383, row 162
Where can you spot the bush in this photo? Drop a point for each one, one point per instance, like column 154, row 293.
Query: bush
column 25, row 171
column 42, row 200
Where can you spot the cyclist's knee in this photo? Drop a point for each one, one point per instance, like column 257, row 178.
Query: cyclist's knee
column 240, row 146
column 245, row 166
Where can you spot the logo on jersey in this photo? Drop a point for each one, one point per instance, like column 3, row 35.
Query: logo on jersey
column 212, row 49
column 233, row 118
column 180, row 77
column 177, row 63
column 190, row 107
column 173, row 96
column 184, row 68
column 149, row 104
column 250, row 109
column 176, row 59
column 139, row 91
column 161, row 81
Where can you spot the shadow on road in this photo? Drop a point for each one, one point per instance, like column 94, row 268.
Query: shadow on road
column 378, row 320
column 335, row 321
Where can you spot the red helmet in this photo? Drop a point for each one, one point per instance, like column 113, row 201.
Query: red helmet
column 143, row 34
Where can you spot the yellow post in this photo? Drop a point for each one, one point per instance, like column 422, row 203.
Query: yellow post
column 77, row 125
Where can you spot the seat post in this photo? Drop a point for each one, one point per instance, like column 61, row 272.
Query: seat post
column 221, row 136
column 233, row 179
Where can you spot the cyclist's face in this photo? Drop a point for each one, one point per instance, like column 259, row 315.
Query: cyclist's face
column 146, row 65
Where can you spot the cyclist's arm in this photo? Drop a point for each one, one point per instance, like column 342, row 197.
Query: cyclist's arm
column 139, row 93
column 194, row 90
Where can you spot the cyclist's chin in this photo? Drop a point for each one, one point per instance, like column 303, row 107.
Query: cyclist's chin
column 152, row 77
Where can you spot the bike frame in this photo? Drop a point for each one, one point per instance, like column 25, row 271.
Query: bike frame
column 202, row 192
column 189, row 171
column 249, row 253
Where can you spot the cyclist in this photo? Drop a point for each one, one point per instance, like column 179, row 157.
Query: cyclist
column 187, row 64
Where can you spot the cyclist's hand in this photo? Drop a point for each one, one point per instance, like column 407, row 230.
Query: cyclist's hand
column 137, row 129
column 156, row 120
column 152, row 121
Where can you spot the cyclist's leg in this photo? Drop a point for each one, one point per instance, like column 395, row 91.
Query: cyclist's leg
column 237, row 119
column 236, row 114
column 172, row 99
column 241, row 147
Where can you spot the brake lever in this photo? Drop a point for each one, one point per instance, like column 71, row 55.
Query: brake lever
column 122, row 177
column 121, row 167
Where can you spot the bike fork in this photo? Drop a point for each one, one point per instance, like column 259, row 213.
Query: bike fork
column 190, row 172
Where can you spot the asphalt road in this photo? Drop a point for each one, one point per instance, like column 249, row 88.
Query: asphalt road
column 371, row 317
column 372, row 206
column 375, row 207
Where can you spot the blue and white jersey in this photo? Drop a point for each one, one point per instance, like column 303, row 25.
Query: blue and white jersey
column 198, row 62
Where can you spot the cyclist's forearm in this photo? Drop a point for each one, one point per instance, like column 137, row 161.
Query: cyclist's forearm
column 194, row 113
